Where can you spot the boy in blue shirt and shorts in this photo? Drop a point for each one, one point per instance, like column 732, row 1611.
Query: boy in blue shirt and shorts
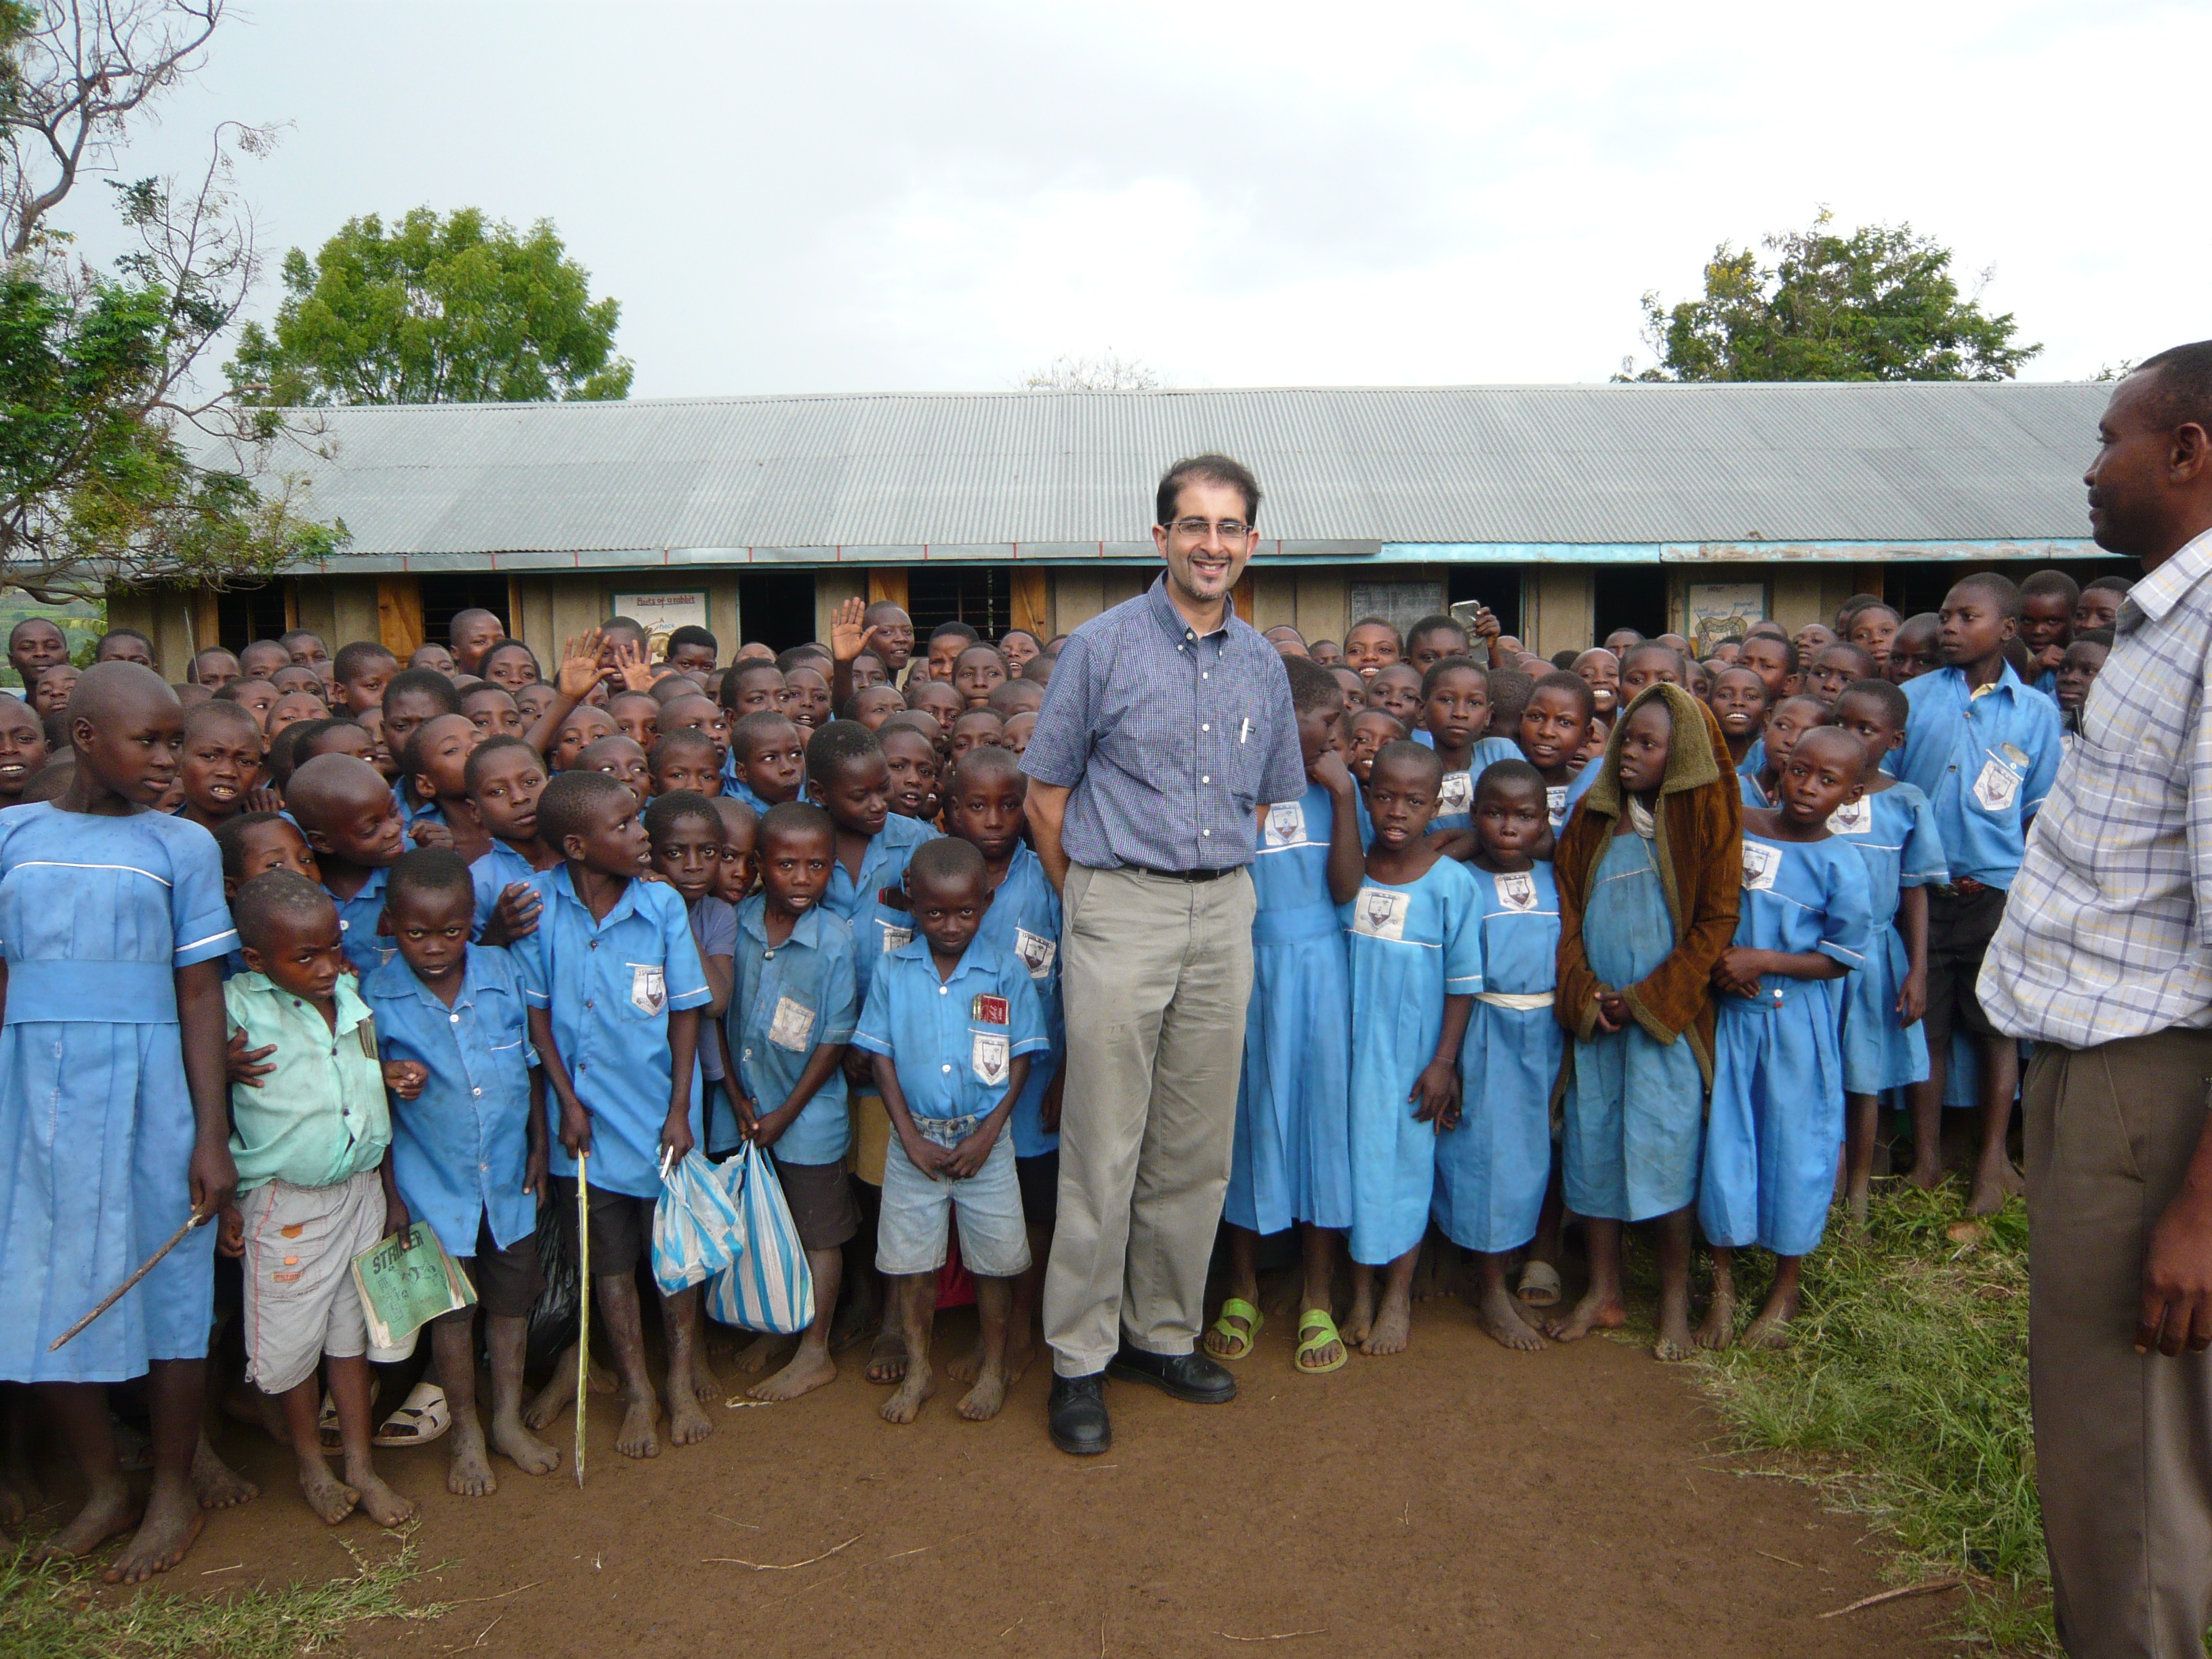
column 952, row 1022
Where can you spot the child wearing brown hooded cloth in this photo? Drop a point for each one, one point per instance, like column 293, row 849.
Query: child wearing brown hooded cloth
column 1649, row 870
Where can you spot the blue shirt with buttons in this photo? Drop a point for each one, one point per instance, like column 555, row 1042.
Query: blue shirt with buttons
column 358, row 917
column 1169, row 741
column 1024, row 921
column 787, row 1001
column 491, row 874
column 1984, row 762
column 610, row 985
column 879, row 928
column 459, row 1149
column 953, row 1041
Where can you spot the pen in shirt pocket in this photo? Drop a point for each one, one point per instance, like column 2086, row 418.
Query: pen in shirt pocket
column 1243, row 728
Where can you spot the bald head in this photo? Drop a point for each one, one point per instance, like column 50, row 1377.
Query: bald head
column 330, row 787
column 120, row 693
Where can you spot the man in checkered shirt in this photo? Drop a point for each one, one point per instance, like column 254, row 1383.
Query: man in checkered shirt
column 2101, row 960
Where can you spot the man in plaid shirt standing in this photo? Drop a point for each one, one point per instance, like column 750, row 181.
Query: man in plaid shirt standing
column 2102, row 961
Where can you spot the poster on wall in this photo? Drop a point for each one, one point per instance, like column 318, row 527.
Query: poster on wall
column 1718, row 610
column 662, row 614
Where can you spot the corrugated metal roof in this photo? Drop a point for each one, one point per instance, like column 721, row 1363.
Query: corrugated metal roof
column 1056, row 474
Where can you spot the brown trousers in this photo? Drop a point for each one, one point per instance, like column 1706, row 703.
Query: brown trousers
column 2123, row 1440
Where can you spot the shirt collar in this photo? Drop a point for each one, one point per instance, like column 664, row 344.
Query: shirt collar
column 393, row 977
column 917, row 950
column 1171, row 619
column 2149, row 599
column 373, row 887
column 752, row 917
column 350, row 1009
column 564, row 888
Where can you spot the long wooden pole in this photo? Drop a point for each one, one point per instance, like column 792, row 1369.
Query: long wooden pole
column 124, row 1288
column 583, row 1303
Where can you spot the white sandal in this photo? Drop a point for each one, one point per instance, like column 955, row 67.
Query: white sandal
column 423, row 1417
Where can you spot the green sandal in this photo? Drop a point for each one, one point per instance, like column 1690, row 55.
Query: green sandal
column 1242, row 1313
column 1317, row 1330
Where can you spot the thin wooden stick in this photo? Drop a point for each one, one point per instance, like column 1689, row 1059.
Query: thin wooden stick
column 583, row 1303
column 779, row 1567
column 1287, row 1636
column 124, row 1288
column 1933, row 1587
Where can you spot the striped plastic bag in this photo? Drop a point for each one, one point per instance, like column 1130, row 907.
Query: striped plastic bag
column 695, row 1226
column 769, row 1287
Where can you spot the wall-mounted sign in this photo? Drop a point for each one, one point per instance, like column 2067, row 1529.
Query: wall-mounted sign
column 662, row 614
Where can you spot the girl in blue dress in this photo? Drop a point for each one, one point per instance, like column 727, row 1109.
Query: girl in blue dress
column 1648, row 873
column 1416, row 951
column 114, row 1115
column 1894, row 827
column 1456, row 714
column 1290, row 1161
column 1777, row 1124
column 1493, row 1165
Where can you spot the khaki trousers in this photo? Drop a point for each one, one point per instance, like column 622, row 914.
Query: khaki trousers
column 2123, row 1440
column 1154, row 975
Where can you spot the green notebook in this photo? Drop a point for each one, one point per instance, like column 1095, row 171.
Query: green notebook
column 405, row 1283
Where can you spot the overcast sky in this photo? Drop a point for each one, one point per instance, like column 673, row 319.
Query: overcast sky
column 898, row 197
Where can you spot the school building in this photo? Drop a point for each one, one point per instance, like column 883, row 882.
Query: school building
column 1570, row 510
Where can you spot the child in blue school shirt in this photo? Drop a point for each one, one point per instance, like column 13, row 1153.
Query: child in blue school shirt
column 468, row 1142
column 504, row 778
column 1983, row 747
column 983, row 800
column 791, row 1016
column 1416, row 965
column 1289, row 1162
column 1776, row 1125
column 952, row 1023
column 348, row 815
column 615, row 986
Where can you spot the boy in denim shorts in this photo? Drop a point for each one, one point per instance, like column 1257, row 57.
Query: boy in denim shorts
column 952, row 1021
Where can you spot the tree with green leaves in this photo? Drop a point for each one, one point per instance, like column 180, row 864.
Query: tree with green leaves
column 115, row 467
column 436, row 309
column 1880, row 303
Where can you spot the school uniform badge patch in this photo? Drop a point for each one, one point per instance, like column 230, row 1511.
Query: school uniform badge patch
column 1036, row 950
column 1998, row 786
column 895, row 938
column 1853, row 817
column 1381, row 914
column 991, row 1057
column 990, row 1011
column 1517, row 890
column 648, row 989
column 1760, row 865
column 1285, row 824
column 792, row 1026
column 1455, row 794
column 1555, row 799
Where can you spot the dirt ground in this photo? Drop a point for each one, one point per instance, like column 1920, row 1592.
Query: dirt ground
column 1455, row 1498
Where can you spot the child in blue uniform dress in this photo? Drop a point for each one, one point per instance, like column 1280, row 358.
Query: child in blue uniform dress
column 1777, row 1123
column 1648, row 873
column 1493, row 1165
column 1894, row 830
column 1291, row 1159
column 1555, row 724
column 1415, row 946
column 113, row 1109
column 983, row 802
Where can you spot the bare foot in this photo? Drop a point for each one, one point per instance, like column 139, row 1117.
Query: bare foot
column 1360, row 1321
column 1926, row 1173
column 1675, row 1341
column 808, row 1371
column 1856, row 1205
column 906, row 1405
column 172, row 1525
column 852, row 1325
column 636, row 1437
column 1771, row 1328
column 105, row 1513
column 383, row 1505
column 1394, row 1327
column 1502, row 1318
column 1718, row 1328
column 704, row 1383
column 969, row 1366
column 524, row 1449
column 468, row 1470
column 887, row 1359
column 1020, row 1351
column 1995, row 1182
column 687, row 1425
column 558, row 1394
column 601, row 1380
column 982, row 1403
column 1592, row 1313
column 760, row 1354
column 328, row 1496
column 1426, row 1271
column 214, row 1483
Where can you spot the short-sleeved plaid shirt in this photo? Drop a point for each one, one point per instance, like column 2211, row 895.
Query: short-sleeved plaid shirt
column 2103, row 933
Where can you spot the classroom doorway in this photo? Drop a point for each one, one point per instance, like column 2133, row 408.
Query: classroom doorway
column 243, row 615
column 776, row 607
column 1629, row 596
column 445, row 598
column 1498, row 585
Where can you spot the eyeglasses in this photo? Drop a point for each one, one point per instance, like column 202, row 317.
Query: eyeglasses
column 1229, row 530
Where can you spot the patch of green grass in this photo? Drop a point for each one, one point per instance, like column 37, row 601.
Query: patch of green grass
column 55, row 1610
column 1903, row 1396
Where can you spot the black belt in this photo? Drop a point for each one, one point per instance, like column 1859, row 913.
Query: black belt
column 1187, row 875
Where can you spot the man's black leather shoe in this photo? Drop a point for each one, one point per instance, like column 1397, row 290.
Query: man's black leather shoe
column 1077, row 1415
column 1191, row 1376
